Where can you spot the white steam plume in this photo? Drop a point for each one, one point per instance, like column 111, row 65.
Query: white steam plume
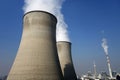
column 105, row 46
column 51, row 6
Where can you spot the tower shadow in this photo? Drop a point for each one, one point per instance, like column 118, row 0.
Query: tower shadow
column 69, row 73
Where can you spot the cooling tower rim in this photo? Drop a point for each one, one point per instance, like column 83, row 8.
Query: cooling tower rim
column 64, row 42
column 40, row 11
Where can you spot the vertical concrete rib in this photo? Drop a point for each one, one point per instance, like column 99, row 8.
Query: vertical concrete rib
column 37, row 57
column 64, row 53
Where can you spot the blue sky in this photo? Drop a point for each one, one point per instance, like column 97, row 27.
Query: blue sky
column 88, row 22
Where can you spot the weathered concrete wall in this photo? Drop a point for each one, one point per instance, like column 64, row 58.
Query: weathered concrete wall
column 64, row 53
column 37, row 57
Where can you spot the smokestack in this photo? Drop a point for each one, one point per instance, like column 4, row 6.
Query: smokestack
column 64, row 53
column 95, row 72
column 105, row 47
column 37, row 57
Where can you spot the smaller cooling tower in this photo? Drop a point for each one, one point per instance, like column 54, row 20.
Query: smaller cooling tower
column 64, row 53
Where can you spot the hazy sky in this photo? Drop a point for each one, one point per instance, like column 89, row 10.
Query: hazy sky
column 89, row 21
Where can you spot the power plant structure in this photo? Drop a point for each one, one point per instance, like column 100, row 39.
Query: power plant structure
column 105, row 47
column 109, row 66
column 95, row 71
column 37, row 57
column 64, row 53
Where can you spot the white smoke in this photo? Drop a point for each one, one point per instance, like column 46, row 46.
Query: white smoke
column 105, row 46
column 54, row 7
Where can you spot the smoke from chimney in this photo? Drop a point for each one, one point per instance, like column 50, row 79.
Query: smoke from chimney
column 54, row 7
column 105, row 46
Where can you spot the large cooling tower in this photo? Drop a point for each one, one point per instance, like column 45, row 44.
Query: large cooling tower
column 37, row 57
column 64, row 53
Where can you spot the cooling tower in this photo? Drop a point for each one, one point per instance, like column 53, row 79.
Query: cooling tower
column 37, row 57
column 64, row 53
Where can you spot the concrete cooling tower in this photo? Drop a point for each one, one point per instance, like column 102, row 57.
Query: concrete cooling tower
column 64, row 53
column 37, row 57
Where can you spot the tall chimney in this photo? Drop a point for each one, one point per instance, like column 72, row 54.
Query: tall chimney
column 37, row 57
column 64, row 53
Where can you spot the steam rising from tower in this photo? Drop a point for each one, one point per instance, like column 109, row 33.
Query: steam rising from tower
column 54, row 7
column 105, row 47
column 37, row 57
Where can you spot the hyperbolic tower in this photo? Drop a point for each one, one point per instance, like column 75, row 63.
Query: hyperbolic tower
column 37, row 57
column 64, row 53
